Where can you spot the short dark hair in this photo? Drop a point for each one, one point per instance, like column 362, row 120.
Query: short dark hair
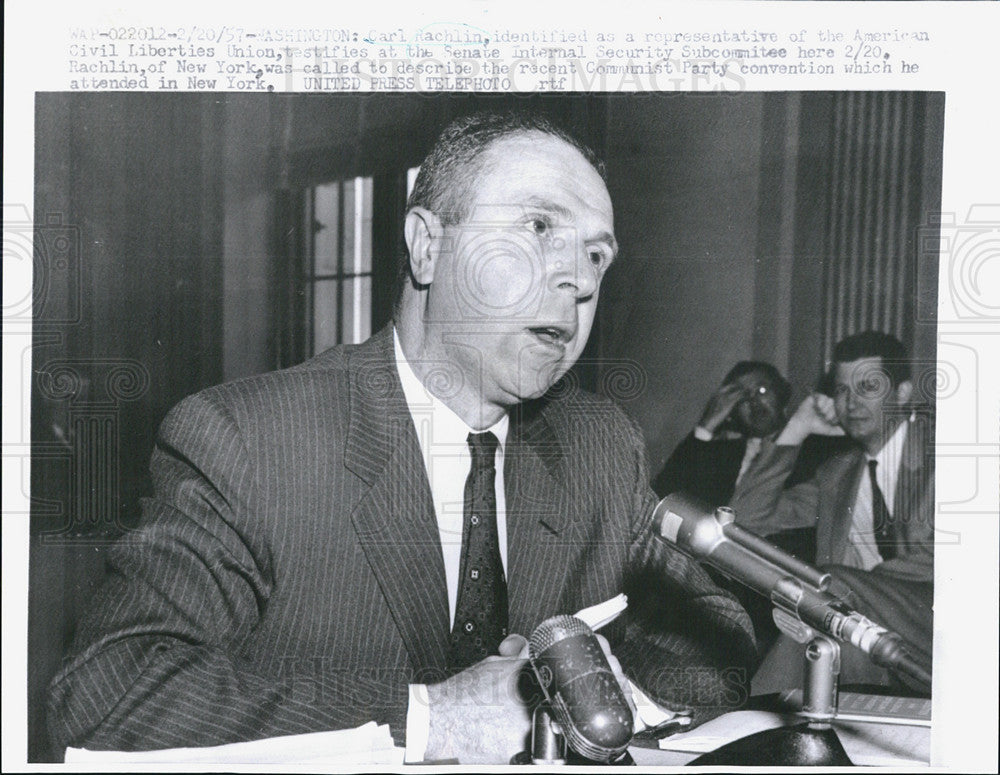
column 445, row 181
column 782, row 388
column 875, row 344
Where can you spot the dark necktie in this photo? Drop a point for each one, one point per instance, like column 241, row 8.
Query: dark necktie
column 881, row 519
column 481, row 607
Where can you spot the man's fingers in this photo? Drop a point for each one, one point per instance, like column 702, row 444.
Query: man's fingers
column 719, row 406
column 514, row 645
column 825, row 410
column 730, row 394
column 825, row 407
column 612, row 659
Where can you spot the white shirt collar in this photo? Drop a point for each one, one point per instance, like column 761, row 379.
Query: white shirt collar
column 449, row 428
column 892, row 450
column 442, row 437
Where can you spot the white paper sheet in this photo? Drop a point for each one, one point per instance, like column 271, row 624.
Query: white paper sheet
column 370, row 743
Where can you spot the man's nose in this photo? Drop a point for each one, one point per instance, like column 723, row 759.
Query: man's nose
column 571, row 269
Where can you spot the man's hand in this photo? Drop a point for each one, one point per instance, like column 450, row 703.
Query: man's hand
column 815, row 415
column 479, row 716
column 483, row 714
column 720, row 406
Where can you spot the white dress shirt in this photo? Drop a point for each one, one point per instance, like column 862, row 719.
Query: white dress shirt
column 443, row 439
column 442, row 436
column 862, row 549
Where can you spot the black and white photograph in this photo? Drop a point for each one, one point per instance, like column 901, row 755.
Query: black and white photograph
column 712, row 293
column 459, row 427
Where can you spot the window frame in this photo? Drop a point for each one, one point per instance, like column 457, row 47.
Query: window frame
column 293, row 249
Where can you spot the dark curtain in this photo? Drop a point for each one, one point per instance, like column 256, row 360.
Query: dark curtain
column 879, row 210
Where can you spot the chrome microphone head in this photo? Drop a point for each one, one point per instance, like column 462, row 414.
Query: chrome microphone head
column 586, row 700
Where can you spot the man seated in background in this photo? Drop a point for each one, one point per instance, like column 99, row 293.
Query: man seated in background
column 370, row 535
column 872, row 506
column 748, row 407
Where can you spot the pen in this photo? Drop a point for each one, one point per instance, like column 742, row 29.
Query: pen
column 665, row 729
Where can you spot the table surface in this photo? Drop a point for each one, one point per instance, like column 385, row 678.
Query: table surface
column 866, row 742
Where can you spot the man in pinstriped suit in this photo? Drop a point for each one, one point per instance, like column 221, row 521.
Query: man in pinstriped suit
column 293, row 571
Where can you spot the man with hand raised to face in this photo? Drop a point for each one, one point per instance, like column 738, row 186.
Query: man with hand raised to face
column 872, row 506
column 748, row 407
column 370, row 535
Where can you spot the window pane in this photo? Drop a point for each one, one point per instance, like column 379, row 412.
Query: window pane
column 357, row 309
column 363, row 256
column 338, row 308
column 326, row 217
column 324, row 315
column 350, row 223
column 357, row 226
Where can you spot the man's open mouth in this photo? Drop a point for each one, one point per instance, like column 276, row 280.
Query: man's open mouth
column 551, row 334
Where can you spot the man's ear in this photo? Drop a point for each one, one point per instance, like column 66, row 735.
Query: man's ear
column 422, row 230
column 904, row 390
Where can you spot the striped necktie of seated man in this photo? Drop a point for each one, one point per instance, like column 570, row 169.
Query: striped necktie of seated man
column 481, row 607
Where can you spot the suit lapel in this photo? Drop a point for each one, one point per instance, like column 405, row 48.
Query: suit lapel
column 845, row 483
column 395, row 520
column 913, row 507
column 538, row 524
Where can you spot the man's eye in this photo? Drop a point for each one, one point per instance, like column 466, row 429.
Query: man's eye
column 597, row 257
column 871, row 388
column 540, row 226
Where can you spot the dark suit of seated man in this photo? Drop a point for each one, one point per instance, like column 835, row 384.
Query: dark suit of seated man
column 872, row 506
column 747, row 408
column 368, row 536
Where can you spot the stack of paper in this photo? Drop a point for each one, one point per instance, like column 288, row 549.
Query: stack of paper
column 368, row 744
column 603, row 613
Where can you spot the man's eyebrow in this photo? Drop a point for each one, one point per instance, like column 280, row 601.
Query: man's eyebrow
column 608, row 237
column 566, row 213
column 547, row 204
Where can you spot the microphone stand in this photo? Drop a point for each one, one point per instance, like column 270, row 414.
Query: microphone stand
column 549, row 747
column 803, row 610
column 812, row 743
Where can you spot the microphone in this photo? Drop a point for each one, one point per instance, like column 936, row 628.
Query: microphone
column 586, row 700
column 796, row 588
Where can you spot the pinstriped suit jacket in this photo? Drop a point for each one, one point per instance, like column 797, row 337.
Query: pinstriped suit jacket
column 287, row 575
